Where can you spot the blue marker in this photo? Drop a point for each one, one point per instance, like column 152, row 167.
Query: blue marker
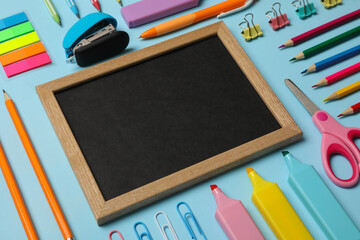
column 319, row 201
column 328, row 62
column 73, row 7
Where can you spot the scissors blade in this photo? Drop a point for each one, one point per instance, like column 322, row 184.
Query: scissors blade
column 308, row 104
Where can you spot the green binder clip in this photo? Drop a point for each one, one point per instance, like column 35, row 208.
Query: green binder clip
column 304, row 10
column 252, row 32
column 330, row 3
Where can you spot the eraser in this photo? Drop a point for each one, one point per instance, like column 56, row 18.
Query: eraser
column 147, row 11
column 13, row 20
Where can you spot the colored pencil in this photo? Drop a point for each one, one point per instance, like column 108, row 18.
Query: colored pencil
column 328, row 44
column 351, row 110
column 339, row 75
column 344, row 91
column 120, row 2
column 39, row 171
column 321, row 29
column 96, row 4
column 328, row 62
column 73, row 7
column 52, row 11
column 16, row 196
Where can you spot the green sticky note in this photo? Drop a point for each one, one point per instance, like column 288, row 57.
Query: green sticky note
column 16, row 31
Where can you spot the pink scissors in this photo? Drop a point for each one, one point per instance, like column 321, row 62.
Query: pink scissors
column 336, row 139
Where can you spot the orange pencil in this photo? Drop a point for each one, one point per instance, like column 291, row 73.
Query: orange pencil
column 192, row 18
column 16, row 196
column 39, row 171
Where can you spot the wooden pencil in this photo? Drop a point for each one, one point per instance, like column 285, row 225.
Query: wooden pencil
column 328, row 44
column 344, row 91
column 351, row 110
column 16, row 196
column 39, row 171
column 321, row 29
column 338, row 75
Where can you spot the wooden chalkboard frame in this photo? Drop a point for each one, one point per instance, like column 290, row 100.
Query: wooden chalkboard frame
column 105, row 211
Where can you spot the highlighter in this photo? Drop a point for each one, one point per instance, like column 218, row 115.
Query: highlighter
column 319, row 201
column 276, row 210
column 233, row 218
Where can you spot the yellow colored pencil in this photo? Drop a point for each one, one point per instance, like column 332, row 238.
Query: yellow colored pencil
column 344, row 91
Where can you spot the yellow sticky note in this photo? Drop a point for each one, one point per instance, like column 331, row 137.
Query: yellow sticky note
column 18, row 42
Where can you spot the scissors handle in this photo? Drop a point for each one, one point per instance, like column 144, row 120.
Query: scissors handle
column 338, row 139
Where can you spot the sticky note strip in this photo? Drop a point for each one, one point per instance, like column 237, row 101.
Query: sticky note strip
column 13, row 20
column 18, row 42
column 27, row 64
column 22, row 53
column 16, row 31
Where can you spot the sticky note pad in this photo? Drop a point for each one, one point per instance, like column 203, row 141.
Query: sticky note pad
column 13, row 20
column 16, row 31
column 22, row 53
column 27, row 64
column 18, row 42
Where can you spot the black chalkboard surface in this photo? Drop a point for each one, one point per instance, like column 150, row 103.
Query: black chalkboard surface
column 153, row 122
column 152, row 119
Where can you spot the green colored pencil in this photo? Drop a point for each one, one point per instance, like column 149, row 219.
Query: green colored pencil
column 52, row 11
column 328, row 44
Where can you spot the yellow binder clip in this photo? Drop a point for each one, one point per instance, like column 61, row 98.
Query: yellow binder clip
column 252, row 32
column 330, row 3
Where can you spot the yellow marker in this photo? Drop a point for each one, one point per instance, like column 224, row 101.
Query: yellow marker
column 276, row 210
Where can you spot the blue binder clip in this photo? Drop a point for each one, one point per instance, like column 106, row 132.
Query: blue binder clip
column 185, row 217
column 144, row 234
column 304, row 10
column 94, row 38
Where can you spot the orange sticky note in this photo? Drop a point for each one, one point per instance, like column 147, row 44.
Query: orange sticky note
column 22, row 53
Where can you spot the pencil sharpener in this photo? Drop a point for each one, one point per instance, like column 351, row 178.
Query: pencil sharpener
column 94, row 38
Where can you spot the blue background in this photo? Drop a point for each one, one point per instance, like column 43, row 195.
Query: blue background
column 272, row 63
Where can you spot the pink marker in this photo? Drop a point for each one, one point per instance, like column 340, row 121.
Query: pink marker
column 233, row 218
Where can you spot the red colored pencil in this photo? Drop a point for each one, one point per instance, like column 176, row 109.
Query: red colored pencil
column 351, row 110
column 96, row 4
column 321, row 29
column 339, row 75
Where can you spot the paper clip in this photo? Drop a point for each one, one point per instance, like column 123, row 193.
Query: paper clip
column 186, row 216
column 304, row 10
column 163, row 227
column 115, row 231
column 279, row 20
column 330, row 3
column 144, row 234
column 250, row 32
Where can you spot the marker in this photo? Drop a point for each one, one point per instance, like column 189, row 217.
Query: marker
column 52, row 11
column 73, row 7
column 233, row 217
column 319, row 201
column 96, row 4
column 276, row 209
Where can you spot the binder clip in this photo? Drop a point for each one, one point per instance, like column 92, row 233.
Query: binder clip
column 330, row 3
column 94, row 38
column 250, row 33
column 304, row 10
column 189, row 215
column 144, row 234
column 115, row 231
column 279, row 20
column 165, row 226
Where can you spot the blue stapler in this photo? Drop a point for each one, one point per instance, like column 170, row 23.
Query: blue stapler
column 94, row 38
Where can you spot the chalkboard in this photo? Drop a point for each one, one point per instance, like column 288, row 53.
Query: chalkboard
column 166, row 116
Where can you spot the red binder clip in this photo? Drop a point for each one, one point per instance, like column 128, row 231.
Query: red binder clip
column 279, row 20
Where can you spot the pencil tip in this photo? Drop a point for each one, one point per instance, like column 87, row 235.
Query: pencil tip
column 139, row 37
column 282, row 46
column 340, row 115
column 292, row 59
column 305, row 71
column 315, row 85
column 4, row 91
column 326, row 99
column 78, row 15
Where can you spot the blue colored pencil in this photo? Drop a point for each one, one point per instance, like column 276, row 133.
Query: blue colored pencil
column 328, row 62
column 73, row 7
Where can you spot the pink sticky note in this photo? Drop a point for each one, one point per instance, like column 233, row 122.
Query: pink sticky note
column 27, row 64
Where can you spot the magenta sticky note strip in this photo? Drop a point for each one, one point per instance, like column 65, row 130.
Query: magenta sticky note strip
column 145, row 11
column 27, row 64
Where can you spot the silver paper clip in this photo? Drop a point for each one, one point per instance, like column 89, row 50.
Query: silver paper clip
column 163, row 227
column 189, row 215
column 144, row 234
